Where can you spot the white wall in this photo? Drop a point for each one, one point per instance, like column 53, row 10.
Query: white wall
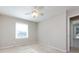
column 7, row 32
column 52, row 32
column 72, row 13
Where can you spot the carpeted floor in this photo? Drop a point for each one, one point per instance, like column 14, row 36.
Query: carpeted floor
column 27, row 49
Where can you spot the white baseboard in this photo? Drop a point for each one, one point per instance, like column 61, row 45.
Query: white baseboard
column 10, row 46
column 61, row 50
column 16, row 45
column 6, row 47
column 53, row 48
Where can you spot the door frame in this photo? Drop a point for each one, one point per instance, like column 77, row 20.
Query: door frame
column 68, row 35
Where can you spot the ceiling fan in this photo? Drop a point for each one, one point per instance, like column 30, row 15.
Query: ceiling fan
column 36, row 11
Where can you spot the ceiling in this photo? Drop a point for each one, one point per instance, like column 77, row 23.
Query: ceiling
column 20, row 12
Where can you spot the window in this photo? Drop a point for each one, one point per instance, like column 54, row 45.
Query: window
column 21, row 30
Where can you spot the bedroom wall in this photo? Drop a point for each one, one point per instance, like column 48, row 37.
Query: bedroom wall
column 52, row 32
column 7, row 32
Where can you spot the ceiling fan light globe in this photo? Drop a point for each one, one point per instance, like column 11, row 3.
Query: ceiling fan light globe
column 34, row 14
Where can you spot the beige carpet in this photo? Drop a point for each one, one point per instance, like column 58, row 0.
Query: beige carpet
column 27, row 49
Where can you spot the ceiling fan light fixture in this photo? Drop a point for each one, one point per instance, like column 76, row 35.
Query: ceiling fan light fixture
column 36, row 11
column 34, row 15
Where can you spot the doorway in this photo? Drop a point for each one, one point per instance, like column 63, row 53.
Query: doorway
column 74, row 34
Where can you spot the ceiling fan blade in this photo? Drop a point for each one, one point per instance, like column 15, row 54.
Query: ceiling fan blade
column 41, row 14
column 38, row 7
